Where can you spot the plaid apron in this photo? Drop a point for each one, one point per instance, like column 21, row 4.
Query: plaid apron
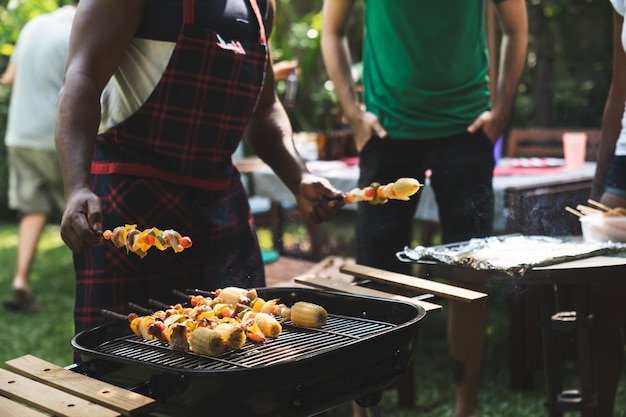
column 169, row 166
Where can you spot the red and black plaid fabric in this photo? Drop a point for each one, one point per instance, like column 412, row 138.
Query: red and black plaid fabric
column 193, row 121
column 169, row 166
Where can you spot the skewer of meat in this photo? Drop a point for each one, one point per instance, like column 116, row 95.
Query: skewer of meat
column 138, row 242
column 376, row 193
column 210, row 326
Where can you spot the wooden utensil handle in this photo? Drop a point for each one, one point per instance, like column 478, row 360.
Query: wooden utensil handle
column 413, row 283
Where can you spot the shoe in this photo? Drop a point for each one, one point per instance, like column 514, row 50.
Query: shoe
column 22, row 301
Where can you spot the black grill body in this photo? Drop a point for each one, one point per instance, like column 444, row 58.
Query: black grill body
column 365, row 345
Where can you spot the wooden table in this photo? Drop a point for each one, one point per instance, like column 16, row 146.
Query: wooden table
column 579, row 274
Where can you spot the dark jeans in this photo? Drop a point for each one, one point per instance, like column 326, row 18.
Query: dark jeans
column 616, row 177
column 462, row 174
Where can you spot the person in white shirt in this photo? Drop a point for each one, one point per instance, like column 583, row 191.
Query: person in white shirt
column 35, row 73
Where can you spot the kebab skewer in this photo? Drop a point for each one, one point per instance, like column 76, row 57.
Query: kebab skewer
column 377, row 193
column 213, row 325
column 139, row 242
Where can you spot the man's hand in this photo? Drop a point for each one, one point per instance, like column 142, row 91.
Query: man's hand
column 363, row 126
column 488, row 122
column 81, row 225
column 318, row 200
column 283, row 68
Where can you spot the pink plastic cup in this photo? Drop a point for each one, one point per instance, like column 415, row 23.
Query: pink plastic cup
column 574, row 149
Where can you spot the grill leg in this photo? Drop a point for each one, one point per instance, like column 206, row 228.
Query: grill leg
column 367, row 406
column 369, row 411
column 373, row 411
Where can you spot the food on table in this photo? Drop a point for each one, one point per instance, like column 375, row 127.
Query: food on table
column 376, row 193
column 615, row 212
column 213, row 325
column 601, row 224
column 138, row 242
column 601, row 209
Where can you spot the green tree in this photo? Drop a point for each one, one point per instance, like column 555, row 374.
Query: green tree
column 569, row 64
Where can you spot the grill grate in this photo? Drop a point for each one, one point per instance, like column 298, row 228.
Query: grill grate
column 293, row 342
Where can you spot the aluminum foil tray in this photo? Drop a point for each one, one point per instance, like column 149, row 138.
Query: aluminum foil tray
column 513, row 254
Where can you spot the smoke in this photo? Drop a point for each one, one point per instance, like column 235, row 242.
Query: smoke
column 546, row 214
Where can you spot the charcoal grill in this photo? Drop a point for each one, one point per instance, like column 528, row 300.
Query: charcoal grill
column 366, row 344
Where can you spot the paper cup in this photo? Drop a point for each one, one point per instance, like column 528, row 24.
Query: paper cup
column 574, row 149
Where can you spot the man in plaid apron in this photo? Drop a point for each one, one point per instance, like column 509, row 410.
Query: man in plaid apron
column 188, row 77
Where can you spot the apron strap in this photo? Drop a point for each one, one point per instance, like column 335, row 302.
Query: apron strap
column 189, row 8
column 259, row 18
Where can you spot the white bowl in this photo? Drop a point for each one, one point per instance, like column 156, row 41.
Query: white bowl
column 603, row 229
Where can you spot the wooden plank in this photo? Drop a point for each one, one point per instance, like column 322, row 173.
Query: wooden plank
column 49, row 399
column 414, row 283
column 10, row 408
column 121, row 400
column 324, row 283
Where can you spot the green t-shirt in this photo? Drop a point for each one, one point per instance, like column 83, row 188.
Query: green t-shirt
column 425, row 65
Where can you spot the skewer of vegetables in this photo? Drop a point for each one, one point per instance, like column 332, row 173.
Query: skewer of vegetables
column 376, row 193
column 138, row 242
column 213, row 325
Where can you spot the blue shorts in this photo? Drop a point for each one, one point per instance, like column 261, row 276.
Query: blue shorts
column 615, row 182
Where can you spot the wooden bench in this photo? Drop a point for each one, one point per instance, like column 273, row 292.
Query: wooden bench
column 32, row 387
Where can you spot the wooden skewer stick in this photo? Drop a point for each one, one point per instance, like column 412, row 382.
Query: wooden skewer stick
column 573, row 211
column 588, row 210
column 599, row 205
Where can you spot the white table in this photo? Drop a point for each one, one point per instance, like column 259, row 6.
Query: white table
column 345, row 177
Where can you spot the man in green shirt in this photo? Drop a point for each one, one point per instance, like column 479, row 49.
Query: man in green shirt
column 427, row 105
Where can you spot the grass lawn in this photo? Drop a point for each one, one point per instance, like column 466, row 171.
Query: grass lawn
column 47, row 334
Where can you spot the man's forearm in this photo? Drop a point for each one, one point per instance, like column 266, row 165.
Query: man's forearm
column 78, row 117
column 271, row 139
column 336, row 58
column 511, row 67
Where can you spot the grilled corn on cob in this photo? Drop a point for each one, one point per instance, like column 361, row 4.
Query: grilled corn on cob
column 205, row 341
column 268, row 325
column 233, row 335
column 307, row 314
